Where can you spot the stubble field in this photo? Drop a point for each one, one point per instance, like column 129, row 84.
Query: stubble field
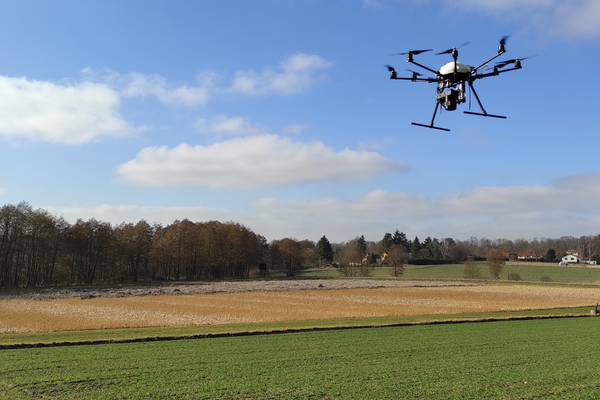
column 303, row 300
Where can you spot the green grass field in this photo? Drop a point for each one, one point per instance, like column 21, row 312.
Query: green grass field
column 529, row 272
column 555, row 358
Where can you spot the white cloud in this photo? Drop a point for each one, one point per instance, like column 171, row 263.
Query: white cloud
column 155, row 85
column 115, row 214
column 251, row 162
column 222, row 124
column 570, row 206
column 295, row 75
column 295, row 129
column 61, row 114
column 557, row 18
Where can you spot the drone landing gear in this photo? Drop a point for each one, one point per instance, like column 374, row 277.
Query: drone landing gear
column 483, row 113
column 431, row 123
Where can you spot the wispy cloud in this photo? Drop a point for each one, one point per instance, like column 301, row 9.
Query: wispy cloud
column 251, row 162
column 222, row 124
column 71, row 114
column 136, row 84
column 372, row 4
column 295, row 75
column 557, row 18
column 169, row 93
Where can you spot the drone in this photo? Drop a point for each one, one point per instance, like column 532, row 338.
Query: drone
column 453, row 78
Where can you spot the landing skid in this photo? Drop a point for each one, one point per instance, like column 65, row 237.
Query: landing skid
column 430, row 126
column 484, row 114
column 432, row 119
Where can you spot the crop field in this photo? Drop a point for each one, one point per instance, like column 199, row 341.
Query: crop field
column 21, row 315
column 551, row 359
column 533, row 272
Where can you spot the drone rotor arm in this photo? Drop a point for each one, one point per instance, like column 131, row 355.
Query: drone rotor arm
column 480, row 76
column 487, row 62
column 437, row 73
column 428, row 80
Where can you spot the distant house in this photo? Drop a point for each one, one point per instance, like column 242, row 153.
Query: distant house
column 570, row 259
column 528, row 256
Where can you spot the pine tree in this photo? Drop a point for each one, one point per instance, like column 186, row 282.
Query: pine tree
column 361, row 245
column 400, row 238
column 387, row 241
column 324, row 249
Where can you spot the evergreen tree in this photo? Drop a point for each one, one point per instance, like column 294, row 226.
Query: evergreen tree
column 387, row 241
column 361, row 245
column 551, row 255
column 426, row 248
column 400, row 239
column 415, row 247
column 324, row 249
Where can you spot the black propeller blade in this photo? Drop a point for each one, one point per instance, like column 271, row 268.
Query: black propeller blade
column 415, row 73
column 501, row 48
column 449, row 51
column 393, row 74
column 415, row 52
column 503, row 64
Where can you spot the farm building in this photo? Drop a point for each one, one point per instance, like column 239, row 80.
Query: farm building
column 528, row 256
column 570, row 259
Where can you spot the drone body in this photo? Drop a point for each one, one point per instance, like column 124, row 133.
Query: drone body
column 454, row 77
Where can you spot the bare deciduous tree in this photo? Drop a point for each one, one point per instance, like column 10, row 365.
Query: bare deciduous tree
column 495, row 261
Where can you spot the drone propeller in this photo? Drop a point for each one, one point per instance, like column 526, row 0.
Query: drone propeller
column 501, row 49
column 393, row 74
column 415, row 52
column 515, row 61
column 415, row 73
column 449, row 51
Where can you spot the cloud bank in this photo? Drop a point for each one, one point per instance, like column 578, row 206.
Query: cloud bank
column 570, row 206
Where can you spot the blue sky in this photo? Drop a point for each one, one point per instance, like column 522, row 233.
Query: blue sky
column 280, row 115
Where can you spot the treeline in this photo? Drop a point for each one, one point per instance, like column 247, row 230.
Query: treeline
column 41, row 249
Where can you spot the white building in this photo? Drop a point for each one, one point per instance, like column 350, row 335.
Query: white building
column 570, row 259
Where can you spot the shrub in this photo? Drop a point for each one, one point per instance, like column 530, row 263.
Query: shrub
column 471, row 270
column 545, row 278
column 514, row 277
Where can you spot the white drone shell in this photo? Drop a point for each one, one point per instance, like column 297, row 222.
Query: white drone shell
column 461, row 68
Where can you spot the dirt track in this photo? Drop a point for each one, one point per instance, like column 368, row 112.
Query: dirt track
column 217, row 287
